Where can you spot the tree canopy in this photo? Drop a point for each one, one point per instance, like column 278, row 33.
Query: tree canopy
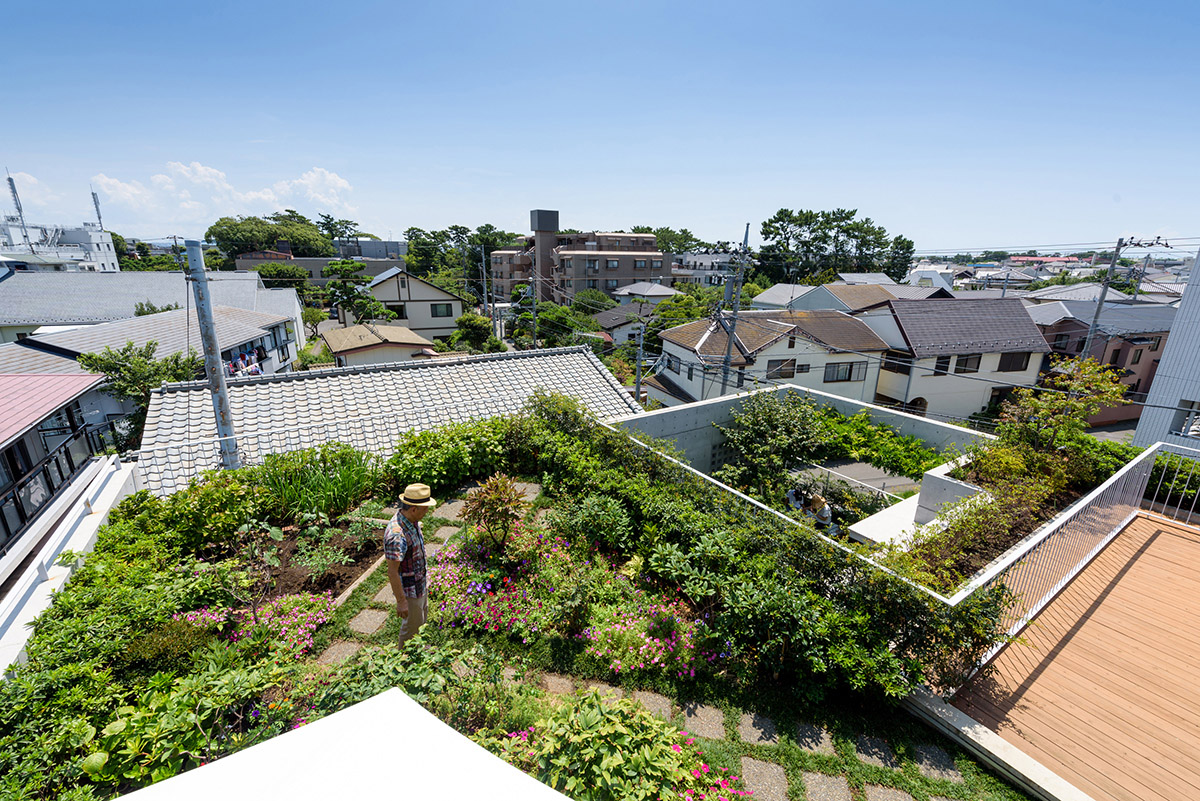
column 671, row 241
column 347, row 291
column 803, row 243
column 454, row 257
column 236, row 235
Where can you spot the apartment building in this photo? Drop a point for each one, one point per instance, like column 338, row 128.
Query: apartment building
column 704, row 269
column 561, row 264
column 56, row 248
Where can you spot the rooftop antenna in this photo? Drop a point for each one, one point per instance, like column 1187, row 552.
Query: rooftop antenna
column 96, row 203
column 12, row 186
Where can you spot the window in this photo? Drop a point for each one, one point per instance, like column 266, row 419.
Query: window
column 610, row 283
column 592, row 283
column 1136, row 357
column 1013, row 362
column 1079, row 345
column 568, row 264
column 741, row 378
column 791, row 342
column 616, row 243
column 673, row 363
column 845, row 371
column 942, row 366
column 612, row 264
column 593, row 264
column 569, row 283
column 895, row 361
column 803, row 368
column 398, row 308
column 967, row 363
column 1061, row 340
column 690, row 369
column 442, row 309
column 1187, row 419
column 639, row 264
column 656, row 264
column 1115, row 357
column 1154, row 343
column 781, row 368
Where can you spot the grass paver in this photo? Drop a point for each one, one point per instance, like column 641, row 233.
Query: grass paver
column 557, row 684
column 339, row 652
column 656, row 704
column 823, row 787
column 814, row 739
column 706, row 721
column 449, row 511
column 875, row 751
column 877, row 792
column 368, row 621
column 935, row 763
column 757, row 729
column 766, row 780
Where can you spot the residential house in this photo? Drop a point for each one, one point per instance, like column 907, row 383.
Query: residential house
column 561, row 264
column 644, row 292
column 31, row 300
column 1129, row 338
column 1004, row 278
column 1173, row 413
column 865, row 278
column 780, row 296
column 856, row 298
column 826, row 350
column 953, row 358
column 704, row 269
column 621, row 323
column 375, row 344
column 271, row 338
column 931, row 278
column 423, row 308
column 56, row 248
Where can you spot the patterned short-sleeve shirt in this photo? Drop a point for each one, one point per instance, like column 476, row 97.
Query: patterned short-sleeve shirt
column 403, row 543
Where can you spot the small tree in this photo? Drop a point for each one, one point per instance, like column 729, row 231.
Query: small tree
column 348, row 291
column 495, row 507
column 133, row 371
column 312, row 319
column 590, row 301
column 473, row 330
column 1054, row 415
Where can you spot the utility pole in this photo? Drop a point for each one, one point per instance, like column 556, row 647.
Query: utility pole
column 637, row 384
column 213, row 367
column 1004, row 289
column 483, row 266
column 738, row 276
column 1108, row 276
column 1137, row 286
column 12, row 187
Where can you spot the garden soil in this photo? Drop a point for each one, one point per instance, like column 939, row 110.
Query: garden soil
column 291, row 578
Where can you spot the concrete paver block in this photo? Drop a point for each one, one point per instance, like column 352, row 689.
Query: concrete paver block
column 876, row 792
column 339, row 652
column 935, row 763
column 529, row 490
column 757, row 730
column 706, row 721
column 814, row 739
column 655, row 704
column 449, row 511
column 385, row 595
column 368, row 621
column 766, row 780
column 558, row 685
column 875, row 751
column 444, row 534
column 821, row 787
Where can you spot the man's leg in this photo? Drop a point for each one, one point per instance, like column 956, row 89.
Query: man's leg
column 418, row 611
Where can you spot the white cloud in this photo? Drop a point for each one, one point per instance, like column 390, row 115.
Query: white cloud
column 33, row 192
column 195, row 194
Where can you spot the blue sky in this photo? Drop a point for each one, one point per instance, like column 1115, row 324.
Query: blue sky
column 961, row 125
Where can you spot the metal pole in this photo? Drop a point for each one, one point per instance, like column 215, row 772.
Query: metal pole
column 738, row 276
column 213, row 367
column 1087, row 343
column 1138, row 285
column 637, row 384
column 483, row 265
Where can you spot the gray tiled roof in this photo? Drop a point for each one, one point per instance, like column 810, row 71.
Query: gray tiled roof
column 619, row 315
column 866, row 278
column 1085, row 291
column 16, row 358
column 782, row 294
column 1115, row 320
column 938, row 327
column 174, row 331
column 368, row 407
column 37, row 298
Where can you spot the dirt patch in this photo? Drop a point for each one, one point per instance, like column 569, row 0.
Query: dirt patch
column 291, row 577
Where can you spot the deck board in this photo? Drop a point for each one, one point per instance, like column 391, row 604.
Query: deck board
column 1102, row 686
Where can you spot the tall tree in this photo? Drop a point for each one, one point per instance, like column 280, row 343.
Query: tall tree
column 671, row 241
column 899, row 258
column 802, row 244
column 348, row 291
column 236, row 235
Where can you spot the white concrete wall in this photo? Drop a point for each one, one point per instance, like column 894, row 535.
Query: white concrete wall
column 955, row 395
column 381, row 354
column 1177, row 379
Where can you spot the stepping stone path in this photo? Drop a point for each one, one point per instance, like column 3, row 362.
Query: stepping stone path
column 706, row 721
column 875, row 751
column 385, row 595
column 820, row 787
column 766, row 780
column 510, row 674
column 449, row 511
column 935, row 763
column 814, row 739
column 656, row 704
column 339, row 652
column 444, row 534
column 368, row 621
column 529, row 490
column 877, row 792
column 757, row 730
column 559, row 685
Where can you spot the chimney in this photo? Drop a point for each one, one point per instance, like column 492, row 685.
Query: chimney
column 544, row 225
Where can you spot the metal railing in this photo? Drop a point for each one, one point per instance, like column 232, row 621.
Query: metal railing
column 21, row 503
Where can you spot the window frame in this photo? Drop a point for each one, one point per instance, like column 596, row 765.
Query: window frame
column 942, row 365
column 781, row 368
column 967, row 363
column 1008, row 362
column 434, row 307
column 842, row 372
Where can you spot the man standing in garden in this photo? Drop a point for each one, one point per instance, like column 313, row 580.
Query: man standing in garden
column 404, row 549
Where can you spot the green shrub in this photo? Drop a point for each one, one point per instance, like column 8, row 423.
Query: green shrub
column 596, row 518
column 209, row 511
column 446, row 457
column 170, row 648
column 329, row 480
column 495, row 506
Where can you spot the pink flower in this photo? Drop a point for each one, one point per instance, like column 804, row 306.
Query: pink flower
column 676, row 748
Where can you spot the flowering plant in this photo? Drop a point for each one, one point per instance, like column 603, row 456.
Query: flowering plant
column 288, row 621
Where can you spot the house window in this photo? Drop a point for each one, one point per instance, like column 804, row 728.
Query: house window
column 441, row 309
column 656, row 264
column 781, row 368
column 569, row 283
column 845, row 371
column 791, row 342
column 741, row 378
column 610, row 283
column 942, row 366
column 1136, row 357
column 592, row 283
column 1115, row 357
column 803, row 368
column 691, row 368
column 673, row 363
column 612, row 264
column 593, row 264
column 1154, row 343
column 1013, row 362
column 568, row 264
column 399, row 309
column 967, row 363
column 1061, row 340
column 639, row 264
column 896, row 362
column 1079, row 345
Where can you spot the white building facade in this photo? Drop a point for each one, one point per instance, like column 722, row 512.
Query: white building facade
column 86, row 247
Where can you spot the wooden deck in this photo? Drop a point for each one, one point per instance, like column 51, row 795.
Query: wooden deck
column 1105, row 688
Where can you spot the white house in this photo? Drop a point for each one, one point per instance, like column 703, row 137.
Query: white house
column 644, row 292
column 377, row 343
column 1173, row 411
column 954, row 357
column 622, row 322
column 56, row 248
column 421, row 307
column 825, row 350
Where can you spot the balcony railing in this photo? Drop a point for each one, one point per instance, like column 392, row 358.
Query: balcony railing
column 21, row 503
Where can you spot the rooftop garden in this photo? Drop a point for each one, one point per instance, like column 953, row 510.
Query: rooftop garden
column 193, row 629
